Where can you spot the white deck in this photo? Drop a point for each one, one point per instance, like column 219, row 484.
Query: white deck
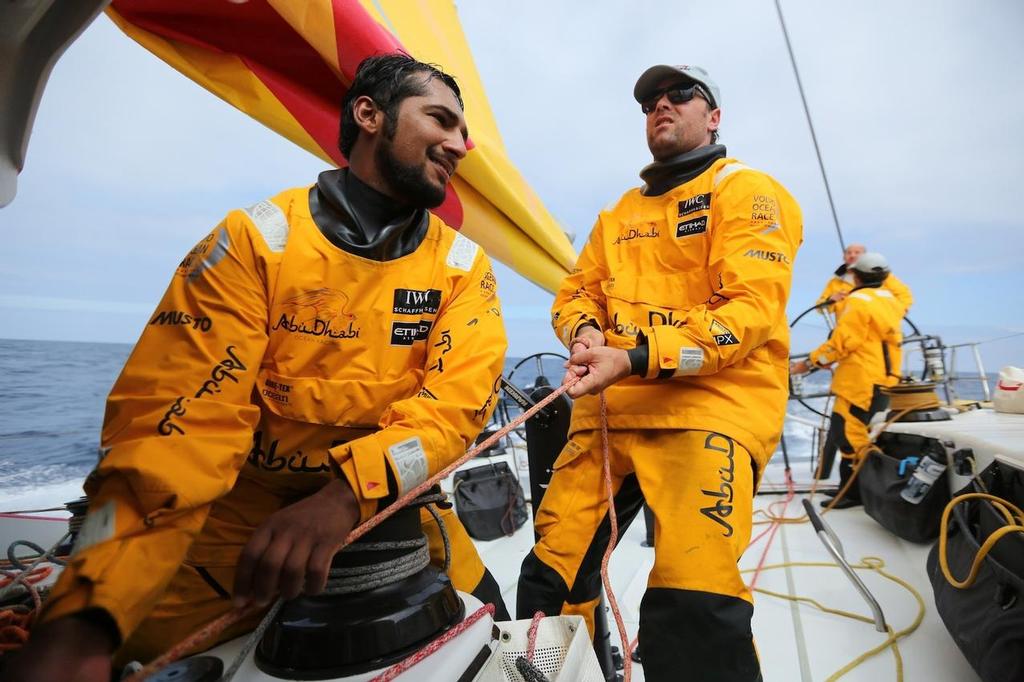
column 797, row 642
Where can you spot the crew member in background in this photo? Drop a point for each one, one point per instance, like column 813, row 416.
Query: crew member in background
column 315, row 356
column 866, row 345
column 677, row 308
column 841, row 284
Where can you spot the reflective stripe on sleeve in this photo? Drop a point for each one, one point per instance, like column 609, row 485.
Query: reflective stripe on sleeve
column 727, row 170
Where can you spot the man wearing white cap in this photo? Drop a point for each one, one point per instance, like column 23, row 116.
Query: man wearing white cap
column 676, row 310
column 866, row 345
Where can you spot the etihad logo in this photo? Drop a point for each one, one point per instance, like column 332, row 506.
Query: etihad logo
column 701, row 202
column 417, row 301
column 408, row 333
column 770, row 256
column 689, row 228
column 319, row 315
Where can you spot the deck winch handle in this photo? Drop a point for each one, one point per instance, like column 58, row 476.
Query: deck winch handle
column 835, row 548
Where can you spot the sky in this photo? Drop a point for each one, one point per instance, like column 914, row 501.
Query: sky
column 918, row 108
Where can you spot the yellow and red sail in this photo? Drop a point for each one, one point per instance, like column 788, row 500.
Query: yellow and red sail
column 287, row 63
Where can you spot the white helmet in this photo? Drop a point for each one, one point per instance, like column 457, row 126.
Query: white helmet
column 871, row 268
column 871, row 262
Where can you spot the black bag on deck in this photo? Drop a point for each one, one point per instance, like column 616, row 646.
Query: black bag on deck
column 489, row 501
column 986, row 619
column 881, row 482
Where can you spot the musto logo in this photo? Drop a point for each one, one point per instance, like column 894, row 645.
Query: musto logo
column 770, row 256
column 320, row 314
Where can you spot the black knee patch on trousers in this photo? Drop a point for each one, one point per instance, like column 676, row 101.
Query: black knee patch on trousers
column 697, row 635
column 542, row 589
column 835, row 439
column 488, row 592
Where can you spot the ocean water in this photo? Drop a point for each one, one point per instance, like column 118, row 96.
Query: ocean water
column 51, row 411
column 52, row 404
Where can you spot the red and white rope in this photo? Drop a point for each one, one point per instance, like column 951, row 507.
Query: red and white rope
column 432, row 648
column 627, row 662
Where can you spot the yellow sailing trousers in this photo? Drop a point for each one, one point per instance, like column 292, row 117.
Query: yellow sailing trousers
column 200, row 590
column 700, row 487
column 848, row 432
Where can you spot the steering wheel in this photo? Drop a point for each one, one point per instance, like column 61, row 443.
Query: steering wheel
column 536, row 362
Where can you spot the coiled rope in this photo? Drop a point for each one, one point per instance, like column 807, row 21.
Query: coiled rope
column 906, row 398
column 352, row 579
column 16, row 620
column 1014, row 524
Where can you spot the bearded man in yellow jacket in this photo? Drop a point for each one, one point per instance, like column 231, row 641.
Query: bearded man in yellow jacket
column 866, row 347
column 841, row 284
column 315, row 356
column 676, row 307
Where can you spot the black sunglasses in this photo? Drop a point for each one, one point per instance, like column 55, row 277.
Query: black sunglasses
column 677, row 94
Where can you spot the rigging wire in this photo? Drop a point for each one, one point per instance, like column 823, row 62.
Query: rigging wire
column 997, row 338
column 810, row 124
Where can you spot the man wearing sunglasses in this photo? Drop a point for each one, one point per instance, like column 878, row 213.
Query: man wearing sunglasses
column 676, row 310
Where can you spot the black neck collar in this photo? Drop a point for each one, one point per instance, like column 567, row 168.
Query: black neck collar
column 357, row 218
column 661, row 176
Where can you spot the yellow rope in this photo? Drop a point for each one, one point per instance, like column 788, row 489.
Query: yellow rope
column 910, row 397
column 867, row 563
column 1015, row 524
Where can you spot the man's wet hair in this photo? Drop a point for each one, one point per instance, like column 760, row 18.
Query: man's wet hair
column 387, row 80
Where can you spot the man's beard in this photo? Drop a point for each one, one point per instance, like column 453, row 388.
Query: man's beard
column 409, row 182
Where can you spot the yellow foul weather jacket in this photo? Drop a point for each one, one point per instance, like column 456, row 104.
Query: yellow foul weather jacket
column 866, row 344
column 275, row 362
column 701, row 274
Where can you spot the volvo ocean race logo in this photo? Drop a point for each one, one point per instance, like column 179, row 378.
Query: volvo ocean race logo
column 320, row 315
